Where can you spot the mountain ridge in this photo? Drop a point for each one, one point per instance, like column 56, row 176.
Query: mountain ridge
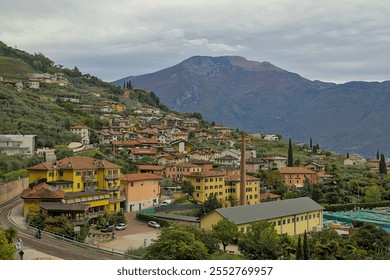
column 260, row 97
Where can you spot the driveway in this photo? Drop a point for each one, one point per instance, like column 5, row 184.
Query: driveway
column 137, row 234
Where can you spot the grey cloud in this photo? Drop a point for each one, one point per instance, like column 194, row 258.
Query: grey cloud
column 325, row 40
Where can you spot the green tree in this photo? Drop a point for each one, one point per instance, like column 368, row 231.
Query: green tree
column 261, row 242
column 211, row 204
column 187, row 187
column 373, row 239
column 207, row 237
column 176, row 244
column 299, row 252
column 226, row 232
column 7, row 250
column 382, row 165
column 306, row 250
column 372, row 194
column 290, row 158
column 11, row 234
column 326, row 245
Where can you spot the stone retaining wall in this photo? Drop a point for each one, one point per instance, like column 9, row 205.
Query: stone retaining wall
column 9, row 190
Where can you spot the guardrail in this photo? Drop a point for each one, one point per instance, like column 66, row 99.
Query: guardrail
column 98, row 248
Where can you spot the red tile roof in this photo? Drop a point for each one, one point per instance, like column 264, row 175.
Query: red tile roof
column 42, row 191
column 296, row 170
column 76, row 163
column 140, row 177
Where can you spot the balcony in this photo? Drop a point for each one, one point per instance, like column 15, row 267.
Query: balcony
column 111, row 177
column 89, row 177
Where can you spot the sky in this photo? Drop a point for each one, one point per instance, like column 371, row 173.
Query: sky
column 330, row 41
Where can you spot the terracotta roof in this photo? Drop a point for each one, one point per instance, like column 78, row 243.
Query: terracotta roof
column 206, row 174
column 237, row 178
column 151, row 167
column 267, row 195
column 140, row 151
column 42, row 191
column 75, row 163
column 59, row 206
column 295, row 170
column 140, row 177
column 78, row 126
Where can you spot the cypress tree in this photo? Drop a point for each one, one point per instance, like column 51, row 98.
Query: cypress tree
column 382, row 165
column 299, row 252
column 306, row 253
column 311, row 143
column 290, row 159
column 377, row 155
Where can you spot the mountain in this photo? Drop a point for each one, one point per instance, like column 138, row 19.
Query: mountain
column 260, row 97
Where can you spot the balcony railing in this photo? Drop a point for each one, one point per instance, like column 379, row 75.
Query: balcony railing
column 89, row 177
column 111, row 177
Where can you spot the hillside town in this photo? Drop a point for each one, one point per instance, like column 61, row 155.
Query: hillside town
column 126, row 156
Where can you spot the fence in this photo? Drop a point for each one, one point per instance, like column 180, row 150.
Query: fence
column 98, row 248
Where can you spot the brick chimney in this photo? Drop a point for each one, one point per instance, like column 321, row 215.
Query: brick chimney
column 242, row 171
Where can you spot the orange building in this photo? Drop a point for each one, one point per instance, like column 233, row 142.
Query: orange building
column 142, row 190
column 296, row 176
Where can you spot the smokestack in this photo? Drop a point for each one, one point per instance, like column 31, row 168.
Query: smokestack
column 242, row 171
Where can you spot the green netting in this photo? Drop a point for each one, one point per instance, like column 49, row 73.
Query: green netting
column 379, row 218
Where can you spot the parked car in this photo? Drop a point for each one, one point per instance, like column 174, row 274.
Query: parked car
column 108, row 229
column 154, row 224
column 121, row 226
column 166, row 202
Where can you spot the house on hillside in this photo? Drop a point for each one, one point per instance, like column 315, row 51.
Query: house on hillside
column 296, row 176
column 82, row 131
column 23, row 145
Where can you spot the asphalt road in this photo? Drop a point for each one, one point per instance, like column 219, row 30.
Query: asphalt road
column 54, row 247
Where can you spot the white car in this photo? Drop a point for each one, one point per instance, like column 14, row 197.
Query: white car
column 154, row 224
column 121, row 226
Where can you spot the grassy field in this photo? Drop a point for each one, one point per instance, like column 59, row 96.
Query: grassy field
column 14, row 68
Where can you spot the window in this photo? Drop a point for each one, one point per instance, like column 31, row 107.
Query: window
column 197, row 195
column 288, row 221
column 206, row 180
column 310, row 217
column 211, row 187
column 318, row 215
column 197, row 180
column 293, row 220
column 211, row 180
column 279, row 223
column 78, row 173
column 274, row 223
column 284, row 222
column 197, row 188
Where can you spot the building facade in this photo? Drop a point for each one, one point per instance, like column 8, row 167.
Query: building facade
column 142, row 190
column 290, row 216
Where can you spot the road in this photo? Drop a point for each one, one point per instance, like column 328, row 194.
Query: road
column 54, row 247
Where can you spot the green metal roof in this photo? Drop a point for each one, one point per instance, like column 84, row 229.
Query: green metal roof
column 269, row 210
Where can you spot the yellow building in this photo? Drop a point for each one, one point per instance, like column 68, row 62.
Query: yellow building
column 290, row 216
column 205, row 183
column 232, row 190
column 83, row 180
column 227, row 188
